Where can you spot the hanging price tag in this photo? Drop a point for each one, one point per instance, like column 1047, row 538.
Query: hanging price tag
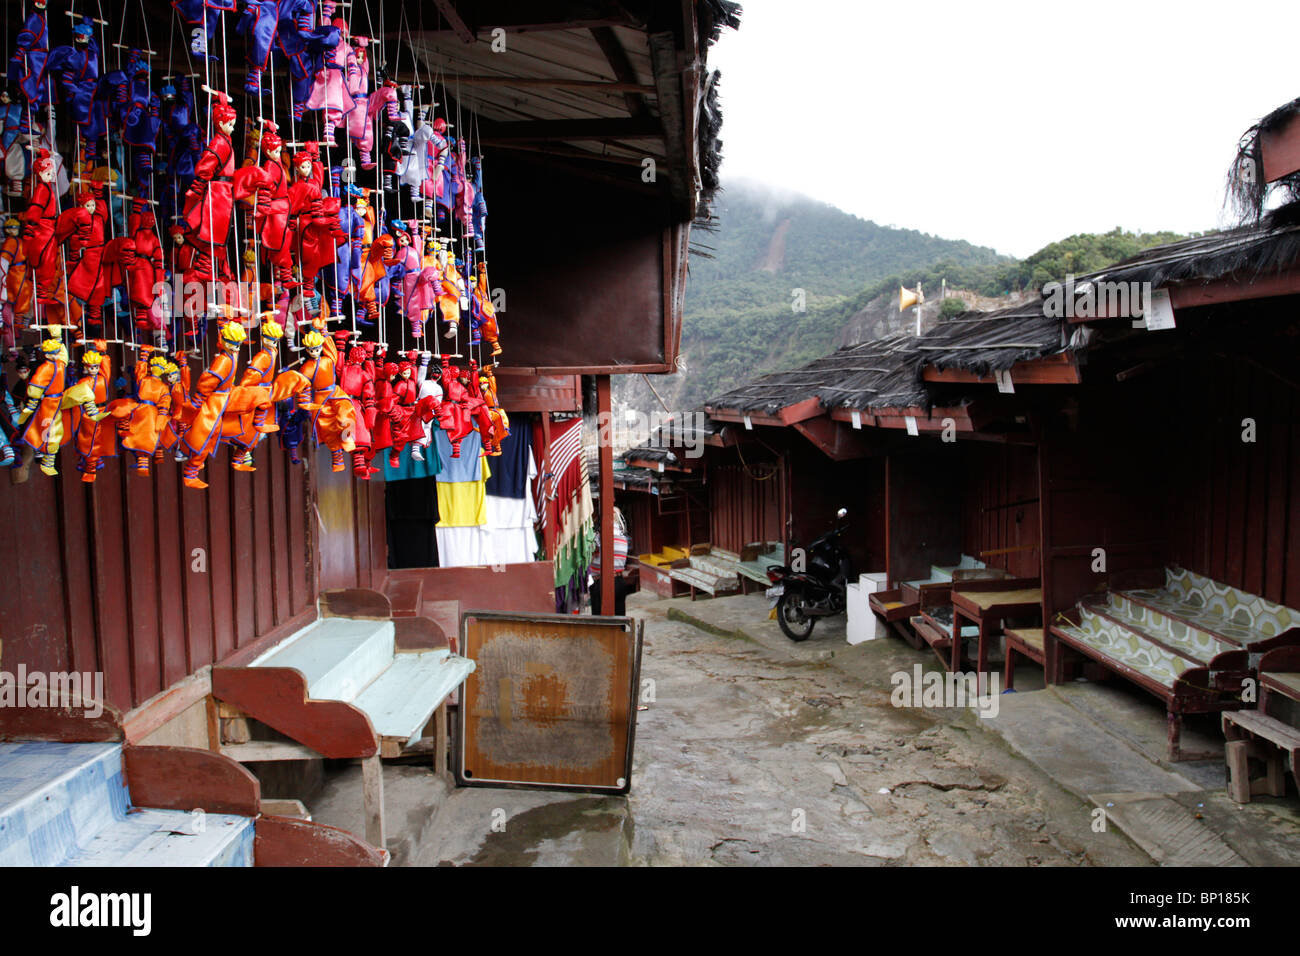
column 1004, row 380
column 1160, row 311
column 749, row 426
column 911, row 425
column 857, row 418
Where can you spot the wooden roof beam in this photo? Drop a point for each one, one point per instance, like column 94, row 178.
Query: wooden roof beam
column 455, row 21
column 549, row 82
column 473, row 17
column 617, row 58
column 1059, row 369
column 541, row 130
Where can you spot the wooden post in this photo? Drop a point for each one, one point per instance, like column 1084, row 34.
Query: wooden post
column 605, row 441
column 547, row 486
column 372, row 794
column 440, row 740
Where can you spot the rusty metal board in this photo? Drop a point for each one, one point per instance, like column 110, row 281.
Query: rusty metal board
column 552, row 702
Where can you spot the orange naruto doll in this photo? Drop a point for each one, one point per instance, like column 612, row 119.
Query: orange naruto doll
column 48, row 399
column 333, row 420
column 245, row 417
column 140, row 420
column 209, row 401
column 96, row 439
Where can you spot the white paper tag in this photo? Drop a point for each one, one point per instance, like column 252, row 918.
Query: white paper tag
column 1160, row 311
column 857, row 418
column 749, row 426
column 911, row 425
column 1004, row 380
column 661, row 466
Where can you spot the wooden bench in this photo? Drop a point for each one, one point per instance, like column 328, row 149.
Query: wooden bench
column 707, row 569
column 987, row 601
column 1181, row 682
column 754, row 561
column 1022, row 642
column 340, row 688
column 1250, row 734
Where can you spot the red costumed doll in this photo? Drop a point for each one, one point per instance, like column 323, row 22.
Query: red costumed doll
column 39, row 247
column 82, row 228
column 144, row 269
column 313, row 218
column 402, row 401
column 455, row 395
column 268, row 185
column 357, row 379
column 208, row 202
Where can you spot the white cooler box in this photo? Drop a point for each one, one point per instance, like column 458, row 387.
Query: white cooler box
column 863, row 624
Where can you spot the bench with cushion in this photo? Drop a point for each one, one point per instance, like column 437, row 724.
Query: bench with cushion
column 340, row 688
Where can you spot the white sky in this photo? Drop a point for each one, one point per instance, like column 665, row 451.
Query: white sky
column 1041, row 119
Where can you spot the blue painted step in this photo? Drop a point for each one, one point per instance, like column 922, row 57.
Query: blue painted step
column 68, row 805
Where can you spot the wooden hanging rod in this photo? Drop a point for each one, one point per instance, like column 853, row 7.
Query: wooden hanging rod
column 614, row 86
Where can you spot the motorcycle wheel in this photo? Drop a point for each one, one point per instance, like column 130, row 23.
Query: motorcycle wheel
column 794, row 623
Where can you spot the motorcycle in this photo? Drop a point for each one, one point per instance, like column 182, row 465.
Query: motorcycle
column 815, row 590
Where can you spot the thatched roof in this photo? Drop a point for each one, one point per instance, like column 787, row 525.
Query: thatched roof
column 1247, row 252
column 887, row 372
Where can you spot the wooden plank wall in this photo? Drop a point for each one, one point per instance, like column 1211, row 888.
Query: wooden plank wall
column 352, row 528
column 148, row 581
column 999, row 488
column 1239, row 519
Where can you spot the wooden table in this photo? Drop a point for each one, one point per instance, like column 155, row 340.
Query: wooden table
column 987, row 604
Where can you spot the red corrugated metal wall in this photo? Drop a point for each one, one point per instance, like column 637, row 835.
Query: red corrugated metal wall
column 148, row 581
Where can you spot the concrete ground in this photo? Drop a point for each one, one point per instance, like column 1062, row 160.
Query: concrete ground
column 758, row 751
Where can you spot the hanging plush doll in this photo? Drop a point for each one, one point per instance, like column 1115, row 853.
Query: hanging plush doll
column 39, row 247
column 82, row 228
column 31, row 50
column 451, row 289
column 374, row 276
column 482, row 312
column 455, row 395
column 302, row 46
column 140, row 421
column 346, row 279
column 186, row 307
column 477, row 407
column 313, row 218
column 184, row 146
column 208, row 201
column 381, row 431
column 413, row 170
column 142, row 122
column 17, row 293
column 404, row 397
column 143, row 267
column 269, row 186
column 480, row 210
column 15, row 141
column 209, row 401
column 332, row 421
column 245, row 418
column 201, row 18
column 258, row 24
column 330, row 91
column 394, row 132
column 96, row 438
column 437, row 186
column 500, row 420
column 42, row 413
column 74, row 70
column 357, row 380
column 406, row 273
column 360, row 128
